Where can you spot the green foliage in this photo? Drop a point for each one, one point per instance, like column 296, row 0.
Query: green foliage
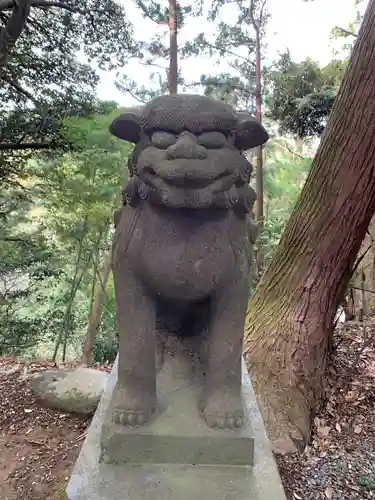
column 237, row 42
column 55, row 238
column 155, row 54
column 284, row 176
column 106, row 342
column 300, row 96
column 349, row 33
column 228, row 88
column 58, row 201
column 48, row 73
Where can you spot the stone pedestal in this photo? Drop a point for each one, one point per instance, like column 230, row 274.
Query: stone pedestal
column 177, row 433
column 94, row 479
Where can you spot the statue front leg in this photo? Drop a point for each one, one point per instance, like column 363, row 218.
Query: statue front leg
column 222, row 399
column 134, row 397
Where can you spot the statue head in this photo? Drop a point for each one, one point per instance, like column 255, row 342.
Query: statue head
column 188, row 152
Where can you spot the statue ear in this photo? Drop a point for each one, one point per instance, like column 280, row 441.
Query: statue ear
column 127, row 126
column 249, row 132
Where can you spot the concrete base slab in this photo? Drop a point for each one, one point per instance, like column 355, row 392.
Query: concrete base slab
column 95, row 480
column 177, row 433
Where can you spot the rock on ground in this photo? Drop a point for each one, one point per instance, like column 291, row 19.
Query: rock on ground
column 75, row 391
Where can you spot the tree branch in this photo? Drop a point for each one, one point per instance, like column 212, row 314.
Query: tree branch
column 150, row 63
column 256, row 25
column 13, row 29
column 262, row 12
column 44, row 4
column 222, row 49
column 346, row 32
column 134, row 96
column 41, row 4
column 19, row 89
column 222, row 84
column 146, row 13
column 293, row 152
column 251, row 15
column 14, row 146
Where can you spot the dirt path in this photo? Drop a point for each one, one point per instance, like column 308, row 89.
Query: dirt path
column 38, row 447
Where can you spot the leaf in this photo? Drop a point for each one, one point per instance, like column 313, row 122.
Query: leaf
column 358, row 429
column 27, row 410
column 338, row 427
column 351, row 395
column 297, row 496
column 324, row 431
column 328, row 492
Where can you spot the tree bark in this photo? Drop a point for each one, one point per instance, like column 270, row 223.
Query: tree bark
column 13, row 29
column 173, row 48
column 94, row 319
column 290, row 318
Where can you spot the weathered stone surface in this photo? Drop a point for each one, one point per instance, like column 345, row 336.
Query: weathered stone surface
column 177, row 434
column 95, row 480
column 183, row 244
column 75, row 391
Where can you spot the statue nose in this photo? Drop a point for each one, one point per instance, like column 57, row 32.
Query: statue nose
column 186, row 147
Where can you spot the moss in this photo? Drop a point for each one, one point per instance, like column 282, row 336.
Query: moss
column 60, row 492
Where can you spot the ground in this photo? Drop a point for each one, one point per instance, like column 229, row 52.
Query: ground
column 339, row 464
column 39, row 446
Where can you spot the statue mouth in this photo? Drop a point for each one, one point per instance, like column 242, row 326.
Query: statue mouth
column 188, row 182
column 220, row 192
column 185, row 183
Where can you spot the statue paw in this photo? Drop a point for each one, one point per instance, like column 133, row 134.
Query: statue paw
column 130, row 417
column 131, row 407
column 223, row 410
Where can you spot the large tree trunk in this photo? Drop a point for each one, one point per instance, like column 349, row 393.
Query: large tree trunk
column 13, row 29
column 94, row 319
column 173, row 49
column 290, row 318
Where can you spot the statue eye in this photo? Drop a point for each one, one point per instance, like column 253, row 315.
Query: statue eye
column 163, row 140
column 212, row 140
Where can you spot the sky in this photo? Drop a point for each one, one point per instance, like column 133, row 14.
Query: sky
column 302, row 27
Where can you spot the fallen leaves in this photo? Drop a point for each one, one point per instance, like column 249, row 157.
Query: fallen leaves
column 328, row 492
column 341, row 453
column 351, row 396
column 38, row 446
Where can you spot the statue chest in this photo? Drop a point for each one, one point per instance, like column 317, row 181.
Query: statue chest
column 185, row 255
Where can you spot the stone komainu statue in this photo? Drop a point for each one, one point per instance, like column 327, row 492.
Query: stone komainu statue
column 182, row 246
